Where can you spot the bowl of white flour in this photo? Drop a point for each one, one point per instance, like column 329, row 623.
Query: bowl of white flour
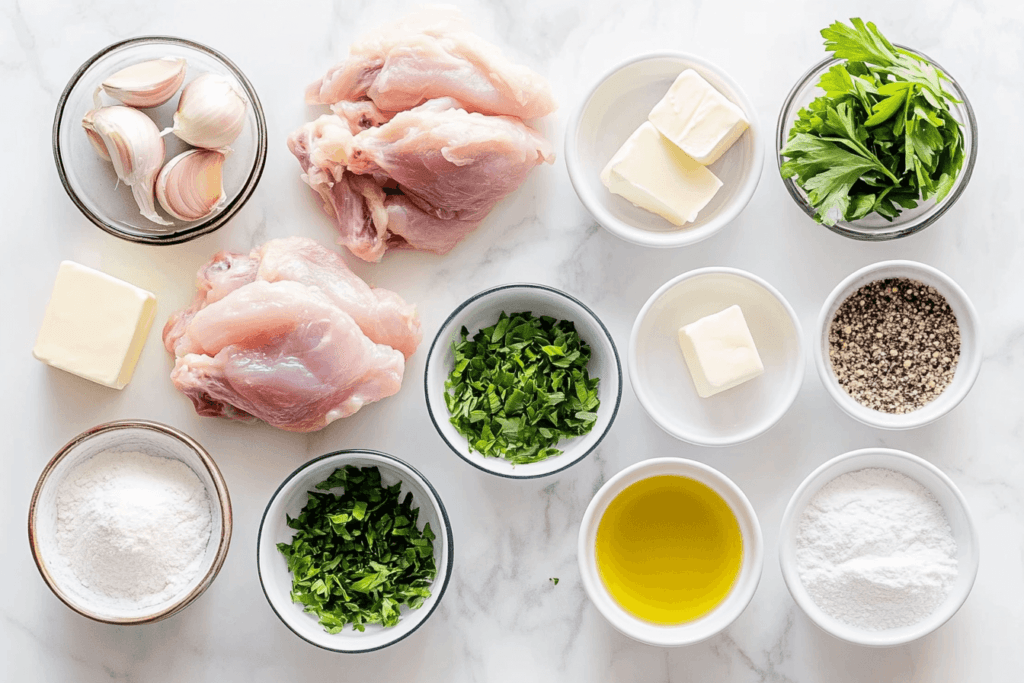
column 878, row 547
column 130, row 522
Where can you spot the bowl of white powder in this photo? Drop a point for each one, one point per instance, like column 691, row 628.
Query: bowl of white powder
column 878, row 547
column 130, row 522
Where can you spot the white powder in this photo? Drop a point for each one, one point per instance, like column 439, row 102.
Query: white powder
column 874, row 550
column 133, row 528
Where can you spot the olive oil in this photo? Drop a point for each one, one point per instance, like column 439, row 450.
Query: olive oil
column 668, row 549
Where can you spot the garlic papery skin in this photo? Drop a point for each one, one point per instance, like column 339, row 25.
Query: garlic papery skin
column 190, row 186
column 134, row 146
column 147, row 84
column 211, row 112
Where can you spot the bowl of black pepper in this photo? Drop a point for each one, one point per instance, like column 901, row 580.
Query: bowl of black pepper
column 898, row 345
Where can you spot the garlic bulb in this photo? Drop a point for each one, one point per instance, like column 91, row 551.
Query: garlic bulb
column 147, row 84
column 211, row 112
column 189, row 187
column 133, row 144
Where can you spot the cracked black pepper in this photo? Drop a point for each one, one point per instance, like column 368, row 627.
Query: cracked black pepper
column 894, row 345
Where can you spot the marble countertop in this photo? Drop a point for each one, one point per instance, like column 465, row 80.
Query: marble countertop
column 502, row 619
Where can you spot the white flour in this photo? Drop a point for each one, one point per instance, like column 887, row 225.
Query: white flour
column 133, row 528
column 874, row 550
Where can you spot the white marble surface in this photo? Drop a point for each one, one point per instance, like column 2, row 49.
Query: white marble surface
column 502, row 619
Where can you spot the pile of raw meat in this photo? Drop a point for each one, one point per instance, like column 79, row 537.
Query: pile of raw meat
column 427, row 134
column 288, row 334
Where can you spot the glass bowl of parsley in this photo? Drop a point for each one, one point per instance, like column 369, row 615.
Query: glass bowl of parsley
column 877, row 141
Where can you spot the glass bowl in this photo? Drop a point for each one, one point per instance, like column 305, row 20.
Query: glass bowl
column 874, row 228
column 91, row 181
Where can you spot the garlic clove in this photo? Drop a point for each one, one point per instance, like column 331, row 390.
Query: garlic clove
column 147, row 84
column 133, row 144
column 211, row 112
column 97, row 144
column 190, row 187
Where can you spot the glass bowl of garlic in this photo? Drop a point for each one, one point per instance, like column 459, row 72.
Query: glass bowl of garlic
column 159, row 140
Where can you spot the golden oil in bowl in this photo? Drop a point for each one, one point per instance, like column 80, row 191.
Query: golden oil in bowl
column 669, row 549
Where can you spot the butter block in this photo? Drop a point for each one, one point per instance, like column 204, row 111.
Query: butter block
column 720, row 352
column 700, row 120
column 95, row 325
column 657, row 176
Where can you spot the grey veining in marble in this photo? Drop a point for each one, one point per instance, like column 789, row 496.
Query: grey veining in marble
column 502, row 619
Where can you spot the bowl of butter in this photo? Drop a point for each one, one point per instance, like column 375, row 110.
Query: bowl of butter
column 716, row 356
column 665, row 150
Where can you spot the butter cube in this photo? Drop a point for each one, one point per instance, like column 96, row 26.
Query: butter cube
column 720, row 352
column 95, row 325
column 657, row 176
column 700, row 120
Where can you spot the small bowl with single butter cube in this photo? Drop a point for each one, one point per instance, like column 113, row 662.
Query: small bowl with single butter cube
column 716, row 356
column 665, row 150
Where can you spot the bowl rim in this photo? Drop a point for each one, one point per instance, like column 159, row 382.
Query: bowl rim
column 220, row 493
column 342, row 455
column 970, row 363
column 848, row 228
column 468, row 457
column 684, row 235
column 203, row 227
column 791, row 578
column 754, row 547
column 783, row 407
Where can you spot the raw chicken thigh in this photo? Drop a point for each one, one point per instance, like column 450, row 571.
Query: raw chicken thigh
column 289, row 335
column 426, row 135
column 428, row 54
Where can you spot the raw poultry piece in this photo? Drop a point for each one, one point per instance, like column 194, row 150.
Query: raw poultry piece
column 433, row 53
column 288, row 334
column 424, row 179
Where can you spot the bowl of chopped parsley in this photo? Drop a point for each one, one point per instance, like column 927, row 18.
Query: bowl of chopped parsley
column 354, row 551
column 523, row 380
column 877, row 141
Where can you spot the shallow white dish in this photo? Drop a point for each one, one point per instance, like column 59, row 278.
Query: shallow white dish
column 290, row 498
column 663, row 384
column 482, row 310
column 970, row 344
column 616, row 107
column 131, row 436
column 946, row 493
column 734, row 603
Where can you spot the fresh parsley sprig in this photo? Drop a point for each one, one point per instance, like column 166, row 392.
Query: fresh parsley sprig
column 357, row 557
column 883, row 136
column 520, row 386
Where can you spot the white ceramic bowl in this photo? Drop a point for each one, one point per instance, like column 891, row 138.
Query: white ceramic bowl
column 482, row 310
column 290, row 498
column 616, row 107
column 662, row 381
column 734, row 603
column 970, row 344
column 946, row 493
column 132, row 436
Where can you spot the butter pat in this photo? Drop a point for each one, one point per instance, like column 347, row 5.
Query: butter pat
column 95, row 325
column 657, row 176
column 720, row 352
column 700, row 120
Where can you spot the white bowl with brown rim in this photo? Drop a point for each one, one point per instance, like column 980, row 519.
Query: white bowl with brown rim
column 136, row 436
column 967, row 367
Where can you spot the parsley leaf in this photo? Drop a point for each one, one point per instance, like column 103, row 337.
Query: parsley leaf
column 357, row 557
column 883, row 136
column 520, row 386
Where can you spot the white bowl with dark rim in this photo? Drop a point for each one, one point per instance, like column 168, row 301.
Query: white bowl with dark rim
column 290, row 498
column 662, row 381
column 482, row 310
column 967, row 368
column 614, row 108
column 135, row 436
column 953, row 503
column 723, row 614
